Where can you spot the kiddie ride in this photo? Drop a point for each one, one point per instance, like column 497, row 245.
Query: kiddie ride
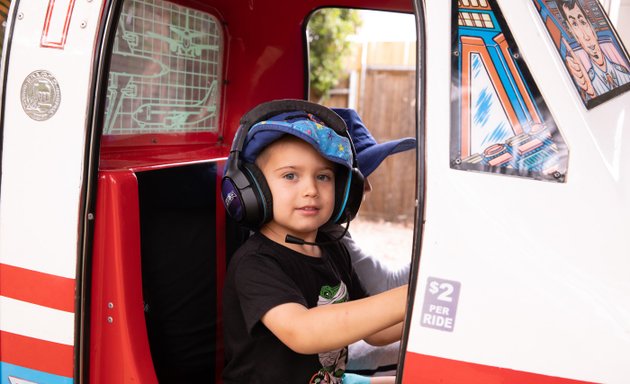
column 117, row 117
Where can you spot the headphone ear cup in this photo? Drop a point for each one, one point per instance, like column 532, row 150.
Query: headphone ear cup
column 355, row 197
column 263, row 196
column 348, row 196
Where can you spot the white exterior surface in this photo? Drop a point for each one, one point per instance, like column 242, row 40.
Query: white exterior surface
column 22, row 318
column 543, row 266
column 43, row 161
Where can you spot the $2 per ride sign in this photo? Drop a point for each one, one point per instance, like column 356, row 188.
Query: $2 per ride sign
column 440, row 304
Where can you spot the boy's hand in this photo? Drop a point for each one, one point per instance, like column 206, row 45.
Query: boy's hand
column 351, row 378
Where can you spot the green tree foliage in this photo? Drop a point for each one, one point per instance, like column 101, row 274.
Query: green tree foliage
column 328, row 31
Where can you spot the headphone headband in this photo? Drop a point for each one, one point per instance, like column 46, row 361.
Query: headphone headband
column 272, row 108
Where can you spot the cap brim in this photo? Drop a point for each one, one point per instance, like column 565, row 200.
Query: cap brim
column 370, row 158
column 324, row 139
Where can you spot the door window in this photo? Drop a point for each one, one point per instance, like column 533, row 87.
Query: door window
column 165, row 72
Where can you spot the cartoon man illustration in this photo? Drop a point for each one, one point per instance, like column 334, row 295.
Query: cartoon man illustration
column 604, row 69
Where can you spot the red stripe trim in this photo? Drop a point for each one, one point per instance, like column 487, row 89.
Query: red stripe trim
column 430, row 369
column 36, row 354
column 66, row 25
column 36, row 287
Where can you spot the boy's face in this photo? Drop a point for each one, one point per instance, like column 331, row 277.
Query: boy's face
column 302, row 185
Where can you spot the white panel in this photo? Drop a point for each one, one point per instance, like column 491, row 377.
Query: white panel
column 31, row 320
column 43, row 160
column 623, row 22
column 58, row 19
column 542, row 266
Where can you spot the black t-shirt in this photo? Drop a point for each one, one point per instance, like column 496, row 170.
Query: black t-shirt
column 264, row 274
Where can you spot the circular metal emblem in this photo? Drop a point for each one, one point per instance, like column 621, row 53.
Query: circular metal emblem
column 40, row 95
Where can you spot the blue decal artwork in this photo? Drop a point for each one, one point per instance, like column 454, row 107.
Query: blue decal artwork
column 500, row 123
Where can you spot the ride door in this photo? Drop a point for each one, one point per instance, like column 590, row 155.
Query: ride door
column 48, row 73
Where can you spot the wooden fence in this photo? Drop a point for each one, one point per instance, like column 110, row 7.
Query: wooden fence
column 388, row 109
column 387, row 106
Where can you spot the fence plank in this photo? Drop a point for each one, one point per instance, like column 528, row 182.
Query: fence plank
column 388, row 110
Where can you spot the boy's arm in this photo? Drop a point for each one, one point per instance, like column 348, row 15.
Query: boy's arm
column 386, row 336
column 330, row 327
column 376, row 276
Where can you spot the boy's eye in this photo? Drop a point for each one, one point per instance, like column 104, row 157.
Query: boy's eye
column 324, row 177
column 289, row 176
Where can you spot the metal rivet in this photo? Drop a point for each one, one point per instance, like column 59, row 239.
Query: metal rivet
column 83, row 24
column 110, row 305
column 20, row 16
column 516, row 55
column 458, row 161
column 90, row 216
column 455, row 53
column 110, row 319
column 557, row 175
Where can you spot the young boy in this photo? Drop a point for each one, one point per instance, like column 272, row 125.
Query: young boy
column 290, row 310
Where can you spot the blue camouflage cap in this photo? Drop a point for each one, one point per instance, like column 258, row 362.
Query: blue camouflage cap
column 370, row 154
column 330, row 144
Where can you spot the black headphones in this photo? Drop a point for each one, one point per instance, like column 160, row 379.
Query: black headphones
column 244, row 190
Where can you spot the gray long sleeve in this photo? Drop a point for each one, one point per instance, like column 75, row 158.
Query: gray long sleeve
column 375, row 275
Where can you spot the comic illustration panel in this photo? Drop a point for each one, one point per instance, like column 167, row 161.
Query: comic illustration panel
column 500, row 122
column 588, row 44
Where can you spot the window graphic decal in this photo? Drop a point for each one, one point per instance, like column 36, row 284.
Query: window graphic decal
column 589, row 46
column 500, row 123
column 165, row 73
